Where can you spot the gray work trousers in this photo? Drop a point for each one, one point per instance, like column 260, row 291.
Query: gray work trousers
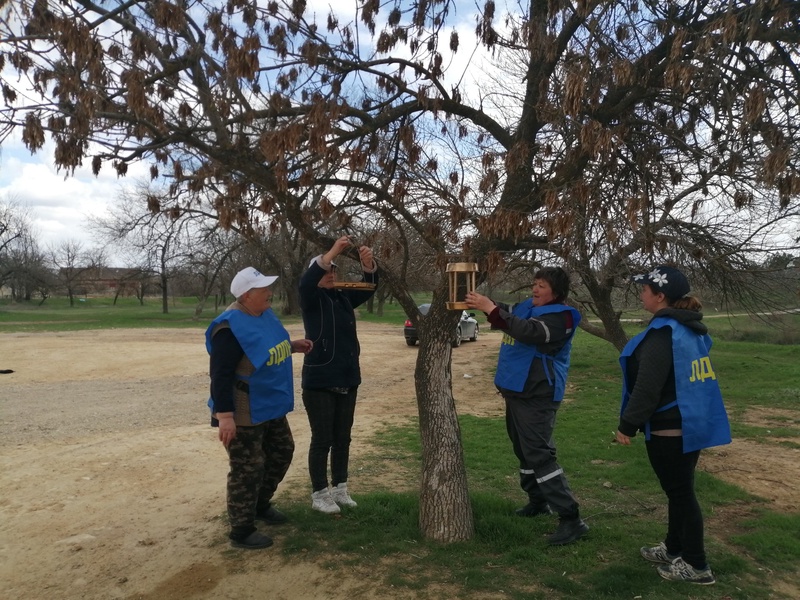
column 530, row 423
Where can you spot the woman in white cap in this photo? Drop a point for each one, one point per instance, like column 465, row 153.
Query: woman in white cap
column 670, row 392
column 251, row 393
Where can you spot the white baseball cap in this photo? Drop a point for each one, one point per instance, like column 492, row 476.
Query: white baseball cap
column 248, row 279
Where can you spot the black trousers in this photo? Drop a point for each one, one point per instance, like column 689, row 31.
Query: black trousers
column 675, row 472
column 259, row 457
column 530, row 423
column 330, row 416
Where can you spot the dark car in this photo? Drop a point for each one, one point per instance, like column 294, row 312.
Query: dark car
column 467, row 328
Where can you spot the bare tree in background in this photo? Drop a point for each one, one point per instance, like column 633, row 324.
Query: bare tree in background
column 140, row 225
column 21, row 261
column 30, row 275
column 635, row 131
column 71, row 261
column 209, row 256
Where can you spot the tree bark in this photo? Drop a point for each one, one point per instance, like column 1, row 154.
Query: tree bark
column 164, row 292
column 445, row 512
column 292, row 304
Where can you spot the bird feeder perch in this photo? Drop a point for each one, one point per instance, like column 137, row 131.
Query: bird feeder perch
column 461, row 281
column 353, row 285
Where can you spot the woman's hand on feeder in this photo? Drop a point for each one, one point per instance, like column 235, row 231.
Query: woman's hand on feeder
column 482, row 303
column 337, row 248
column 367, row 261
column 340, row 244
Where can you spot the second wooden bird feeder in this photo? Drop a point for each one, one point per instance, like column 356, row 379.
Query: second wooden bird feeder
column 461, row 281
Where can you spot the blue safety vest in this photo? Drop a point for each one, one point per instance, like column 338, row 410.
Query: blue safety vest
column 515, row 358
column 267, row 345
column 698, row 397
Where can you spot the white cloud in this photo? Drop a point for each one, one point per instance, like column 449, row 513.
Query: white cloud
column 59, row 204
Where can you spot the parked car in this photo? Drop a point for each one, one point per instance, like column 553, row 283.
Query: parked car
column 467, row 328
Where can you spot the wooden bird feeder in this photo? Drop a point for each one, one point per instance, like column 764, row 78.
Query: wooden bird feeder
column 461, row 281
column 351, row 285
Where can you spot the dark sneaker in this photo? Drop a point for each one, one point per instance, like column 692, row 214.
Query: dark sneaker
column 533, row 510
column 254, row 541
column 680, row 570
column 657, row 554
column 568, row 531
column 271, row 516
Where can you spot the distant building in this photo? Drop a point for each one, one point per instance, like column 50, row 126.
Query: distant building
column 110, row 281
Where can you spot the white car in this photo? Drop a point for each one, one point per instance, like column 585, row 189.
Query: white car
column 467, row 328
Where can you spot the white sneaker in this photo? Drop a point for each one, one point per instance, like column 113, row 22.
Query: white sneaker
column 341, row 497
column 323, row 502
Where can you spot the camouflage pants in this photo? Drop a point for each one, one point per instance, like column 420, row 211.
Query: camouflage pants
column 259, row 457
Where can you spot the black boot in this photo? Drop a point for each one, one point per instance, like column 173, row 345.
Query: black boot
column 248, row 537
column 533, row 510
column 271, row 516
column 254, row 541
column 568, row 531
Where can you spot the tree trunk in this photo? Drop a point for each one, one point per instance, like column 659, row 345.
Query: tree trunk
column 292, row 304
column 445, row 512
column 611, row 330
column 164, row 294
column 200, row 306
column 614, row 332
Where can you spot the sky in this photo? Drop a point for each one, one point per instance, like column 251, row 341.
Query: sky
column 60, row 203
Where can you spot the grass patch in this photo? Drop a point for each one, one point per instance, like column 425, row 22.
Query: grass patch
column 748, row 546
column 101, row 313
column 774, row 537
column 778, row 329
column 383, row 529
column 393, row 313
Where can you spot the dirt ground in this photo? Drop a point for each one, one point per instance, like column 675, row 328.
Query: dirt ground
column 113, row 482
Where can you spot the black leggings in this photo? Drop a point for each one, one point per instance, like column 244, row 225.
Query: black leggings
column 330, row 416
column 675, row 472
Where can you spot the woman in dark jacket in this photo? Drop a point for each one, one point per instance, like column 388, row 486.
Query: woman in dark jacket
column 670, row 392
column 531, row 376
column 331, row 373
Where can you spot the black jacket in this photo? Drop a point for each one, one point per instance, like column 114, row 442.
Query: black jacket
column 330, row 323
column 651, row 376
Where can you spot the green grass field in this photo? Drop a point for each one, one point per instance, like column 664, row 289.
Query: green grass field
column 749, row 545
column 100, row 313
column 753, row 549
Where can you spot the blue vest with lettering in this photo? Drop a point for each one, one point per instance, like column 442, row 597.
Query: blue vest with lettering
column 698, row 397
column 515, row 358
column 267, row 345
